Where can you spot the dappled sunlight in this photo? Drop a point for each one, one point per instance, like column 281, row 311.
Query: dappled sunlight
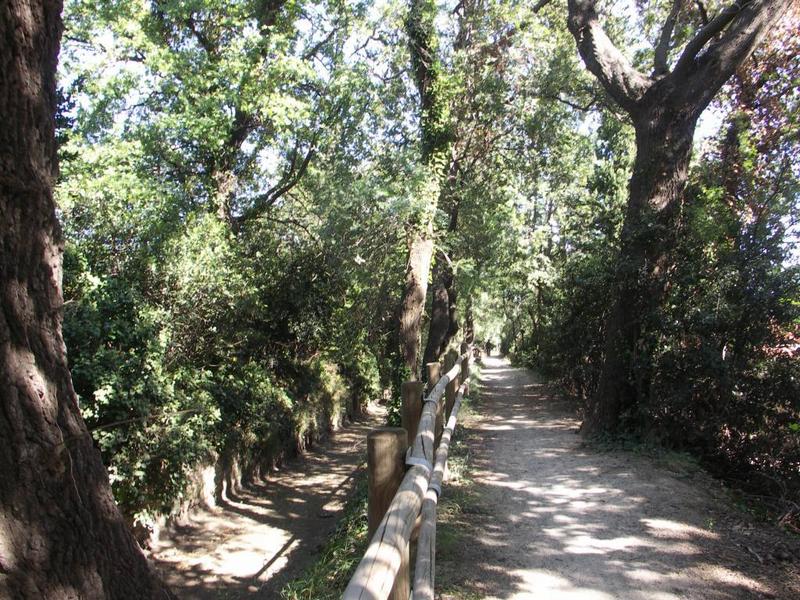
column 725, row 576
column 565, row 522
column 550, row 585
column 255, row 542
column 680, row 531
column 587, row 544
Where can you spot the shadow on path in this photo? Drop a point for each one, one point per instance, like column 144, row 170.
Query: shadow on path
column 252, row 546
column 554, row 519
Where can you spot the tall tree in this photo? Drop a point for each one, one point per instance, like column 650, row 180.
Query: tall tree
column 664, row 107
column 435, row 126
column 61, row 535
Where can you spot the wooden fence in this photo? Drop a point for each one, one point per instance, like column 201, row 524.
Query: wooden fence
column 406, row 467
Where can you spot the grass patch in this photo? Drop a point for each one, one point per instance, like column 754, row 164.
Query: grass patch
column 327, row 578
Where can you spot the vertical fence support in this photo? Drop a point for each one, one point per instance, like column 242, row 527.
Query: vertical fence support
column 434, row 370
column 397, row 495
column 465, row 351
column 386, row 452
column 450, row 395
column 434, row 374
column 411, row 392
column 441, row 414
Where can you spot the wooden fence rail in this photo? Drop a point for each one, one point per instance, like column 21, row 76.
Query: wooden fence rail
column 383, row 570
column 425, row 567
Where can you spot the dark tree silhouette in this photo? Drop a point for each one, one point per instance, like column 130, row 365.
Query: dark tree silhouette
column 61, row 535
column 664, row 107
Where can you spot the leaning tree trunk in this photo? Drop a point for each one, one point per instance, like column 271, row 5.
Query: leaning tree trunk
column 469, row 324
column 61, row 535
column 420, row 251
column 443, row 323
column 660, row 172
column 435, row 150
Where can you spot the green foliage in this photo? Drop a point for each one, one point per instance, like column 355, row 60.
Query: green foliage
column 213, row 309
column 152, row 424
column 238, row 181
column 726, row 382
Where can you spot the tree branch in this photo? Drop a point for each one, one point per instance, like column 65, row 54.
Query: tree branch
column 540, row 5
column 703, row 12
column 614, row 71
column 312, row 52
column 743, row 27
column 203, row 41
column 660, row 66
column 267, row 12
column 291, row 177
column 581, row 107
column 705, row 35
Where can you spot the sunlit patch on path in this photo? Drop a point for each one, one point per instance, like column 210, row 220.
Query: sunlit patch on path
column 559, row 520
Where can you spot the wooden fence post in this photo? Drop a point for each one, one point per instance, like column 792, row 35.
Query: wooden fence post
column 440, row 407
column 434, row 370
column 465, row 363
column 412, row 407
column 450, row 395
column 386, row 453
column 377, row 572
column 434, row 374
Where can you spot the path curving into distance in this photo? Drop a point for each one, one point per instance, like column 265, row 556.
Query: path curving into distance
column 553, row 519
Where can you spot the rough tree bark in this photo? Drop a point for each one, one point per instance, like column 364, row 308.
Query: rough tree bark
column 435, row 151
column 61, row 535
column 664, row 108
column 420, row 251
column 443, row 324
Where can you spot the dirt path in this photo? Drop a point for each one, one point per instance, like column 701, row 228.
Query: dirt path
column 251, row 547
column 547, row 517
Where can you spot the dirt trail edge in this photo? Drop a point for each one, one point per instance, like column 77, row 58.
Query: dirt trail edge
column 252, row 546
column 550, row 518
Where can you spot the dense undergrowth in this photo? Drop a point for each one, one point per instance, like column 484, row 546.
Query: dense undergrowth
column 203, row 362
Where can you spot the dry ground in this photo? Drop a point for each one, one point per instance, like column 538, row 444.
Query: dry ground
column 548, row 517
column 253, row 545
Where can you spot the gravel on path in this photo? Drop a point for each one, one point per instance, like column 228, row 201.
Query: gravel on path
column 553, row 518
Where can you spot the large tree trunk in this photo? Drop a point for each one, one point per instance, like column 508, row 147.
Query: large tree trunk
column 664, row 107
column 469, row 324
column 435, row 150
column 664, row 144
column 61, row 535
column 420, row 251
column 444, row 323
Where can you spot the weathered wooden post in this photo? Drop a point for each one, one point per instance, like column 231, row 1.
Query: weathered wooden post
column 450, row 395
column 465, row 362
column 386, row 453
column 434, row 374
column 434, row 370
column 412, row 407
